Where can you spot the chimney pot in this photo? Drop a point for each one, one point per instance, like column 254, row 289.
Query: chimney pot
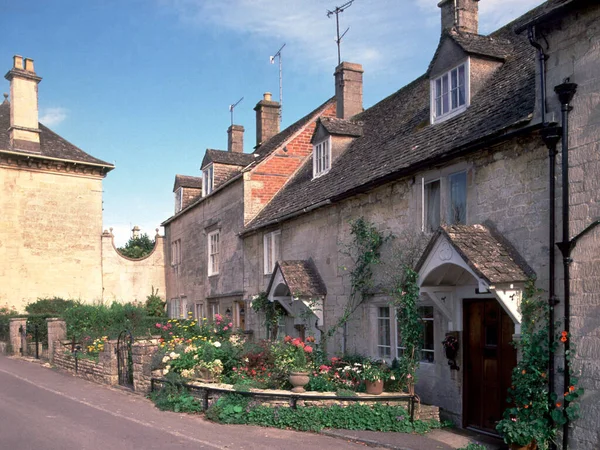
column 267, row 118
column 461, row 15
column 18, row 62
column 29, row 65
column 235, row 139
column 348, row 90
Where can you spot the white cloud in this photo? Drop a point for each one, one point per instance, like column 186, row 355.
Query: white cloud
column 52, row 116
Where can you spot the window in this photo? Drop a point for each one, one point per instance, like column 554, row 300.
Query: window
column 178, row 200
column 388, row 328
column 432, row 205
column 207, row 180
column 200, row 313
column 444, row 201
column 177, row 308
column 271, row 243
column 457, row 205
column 450, row 93
column 176, row 253
column 214, row 309
column 321, row 158
column 213, row 253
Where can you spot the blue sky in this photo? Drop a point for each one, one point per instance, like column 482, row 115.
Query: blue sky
column 146, row 84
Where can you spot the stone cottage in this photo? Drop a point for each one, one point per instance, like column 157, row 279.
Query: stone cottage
column 51, row 241
column 464, row 166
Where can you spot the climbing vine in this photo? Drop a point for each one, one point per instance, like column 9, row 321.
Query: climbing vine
column 365, row 249
column 271, row 310
column 405, row 297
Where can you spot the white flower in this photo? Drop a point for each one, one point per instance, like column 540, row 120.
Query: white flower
column 217, row 344
column 165, row 370
column 174, row 355
column 165, row 358
column 195, row 356
column 392, row 378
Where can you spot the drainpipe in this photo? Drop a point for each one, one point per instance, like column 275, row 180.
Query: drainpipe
column 565, row 92
column 542, row 61
column 551, row 134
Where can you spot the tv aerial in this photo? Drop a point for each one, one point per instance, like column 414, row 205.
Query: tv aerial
column 272, row 61
column 337, row 10
column 232, row 107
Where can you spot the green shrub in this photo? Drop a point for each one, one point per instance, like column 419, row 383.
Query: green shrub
column 6, row 314
column 54, row 307
column 173, row 396
column 474, row 446
column 155, row 307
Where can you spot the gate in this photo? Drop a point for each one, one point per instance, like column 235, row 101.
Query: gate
column 125, row 359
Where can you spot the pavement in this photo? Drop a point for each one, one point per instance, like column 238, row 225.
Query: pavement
column 70, row 412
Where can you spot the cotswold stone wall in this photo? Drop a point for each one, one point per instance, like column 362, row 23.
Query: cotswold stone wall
column 574, row 52
column 142, row 353
column 127, row 280
column 50, row 230
column 104, row 371
column 506, row 188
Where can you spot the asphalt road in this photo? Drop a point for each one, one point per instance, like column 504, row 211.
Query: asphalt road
column 41, row 409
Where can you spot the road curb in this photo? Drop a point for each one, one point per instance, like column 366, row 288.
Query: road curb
column 369, row 442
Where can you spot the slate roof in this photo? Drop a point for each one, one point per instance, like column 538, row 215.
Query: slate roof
column 476, row 44
column 187, row 181
column 341, row 127
column 228, row 158
column 489, row 255
column 549, row 10
column 301, row 277
column 398, row 139
column 51, row 144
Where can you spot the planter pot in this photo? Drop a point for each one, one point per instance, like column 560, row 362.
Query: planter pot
column 531, row 446
column 298, row 380
column 374, row 387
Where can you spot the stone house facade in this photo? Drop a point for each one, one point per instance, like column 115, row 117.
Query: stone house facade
column 204, row 275
column 456, row 165
column 51, row 242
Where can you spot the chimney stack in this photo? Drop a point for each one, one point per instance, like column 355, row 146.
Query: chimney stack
column 24, row 128
column 348, row 89
column 462, row 15
column 267, row 118
column 235, row 139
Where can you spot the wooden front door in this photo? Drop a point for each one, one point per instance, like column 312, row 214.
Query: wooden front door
column 489, row 360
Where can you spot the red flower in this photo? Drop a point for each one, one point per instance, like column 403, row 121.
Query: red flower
column 571, row 388
column 287, row 339
column 310, row 339
column 308, row 349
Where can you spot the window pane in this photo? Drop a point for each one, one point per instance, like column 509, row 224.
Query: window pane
column 454, row 78
column 458, row 199
column 445, row 95
column 432, row 205
column 384, row 338
column 438, row 106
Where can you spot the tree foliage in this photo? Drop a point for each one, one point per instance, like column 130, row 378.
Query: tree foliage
column 137, row 247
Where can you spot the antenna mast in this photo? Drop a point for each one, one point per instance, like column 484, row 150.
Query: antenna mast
column 337, row 11
column 232, row 107
column 272, row 61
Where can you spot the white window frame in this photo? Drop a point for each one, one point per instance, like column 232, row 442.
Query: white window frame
column 213, row 246
column 434, row 117
column 424, row 206
column 385, row 351
column 178, row 308
column 271, row 250
column 208, row 175
column 322, row 157
column 178, row 200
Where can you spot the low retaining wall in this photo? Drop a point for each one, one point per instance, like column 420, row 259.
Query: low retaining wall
column 142, row 352
column 104, row 371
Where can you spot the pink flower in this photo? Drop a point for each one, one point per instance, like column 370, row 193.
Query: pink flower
column 158, row 325
column 230, row 325
column 225, row 328
column 308, row 349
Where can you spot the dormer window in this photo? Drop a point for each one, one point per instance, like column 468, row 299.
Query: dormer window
column 207, row 181
column 450, row 93
column 178, row 200
column 321, row 157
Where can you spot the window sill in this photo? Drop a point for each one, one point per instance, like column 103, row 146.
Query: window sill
column 321, row 174
column 450, row 115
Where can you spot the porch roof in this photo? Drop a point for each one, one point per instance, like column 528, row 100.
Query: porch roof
column 489, row 255
column 301, row 277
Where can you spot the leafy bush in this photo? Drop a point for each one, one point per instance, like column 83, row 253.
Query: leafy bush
column 173, row 396
column 155, row 306
column 54, row 306
column 6, row 314
column 236, row 409
column 473, row 446
column 137, row 247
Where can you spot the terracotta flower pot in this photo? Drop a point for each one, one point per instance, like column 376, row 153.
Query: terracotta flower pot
column 298, row 380
column 531, row 446
column 374, row 387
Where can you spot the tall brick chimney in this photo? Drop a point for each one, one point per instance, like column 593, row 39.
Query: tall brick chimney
column 24, row 128
column 348, row 89
column 463, row 15
column 267, row 118
column 235, row 139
